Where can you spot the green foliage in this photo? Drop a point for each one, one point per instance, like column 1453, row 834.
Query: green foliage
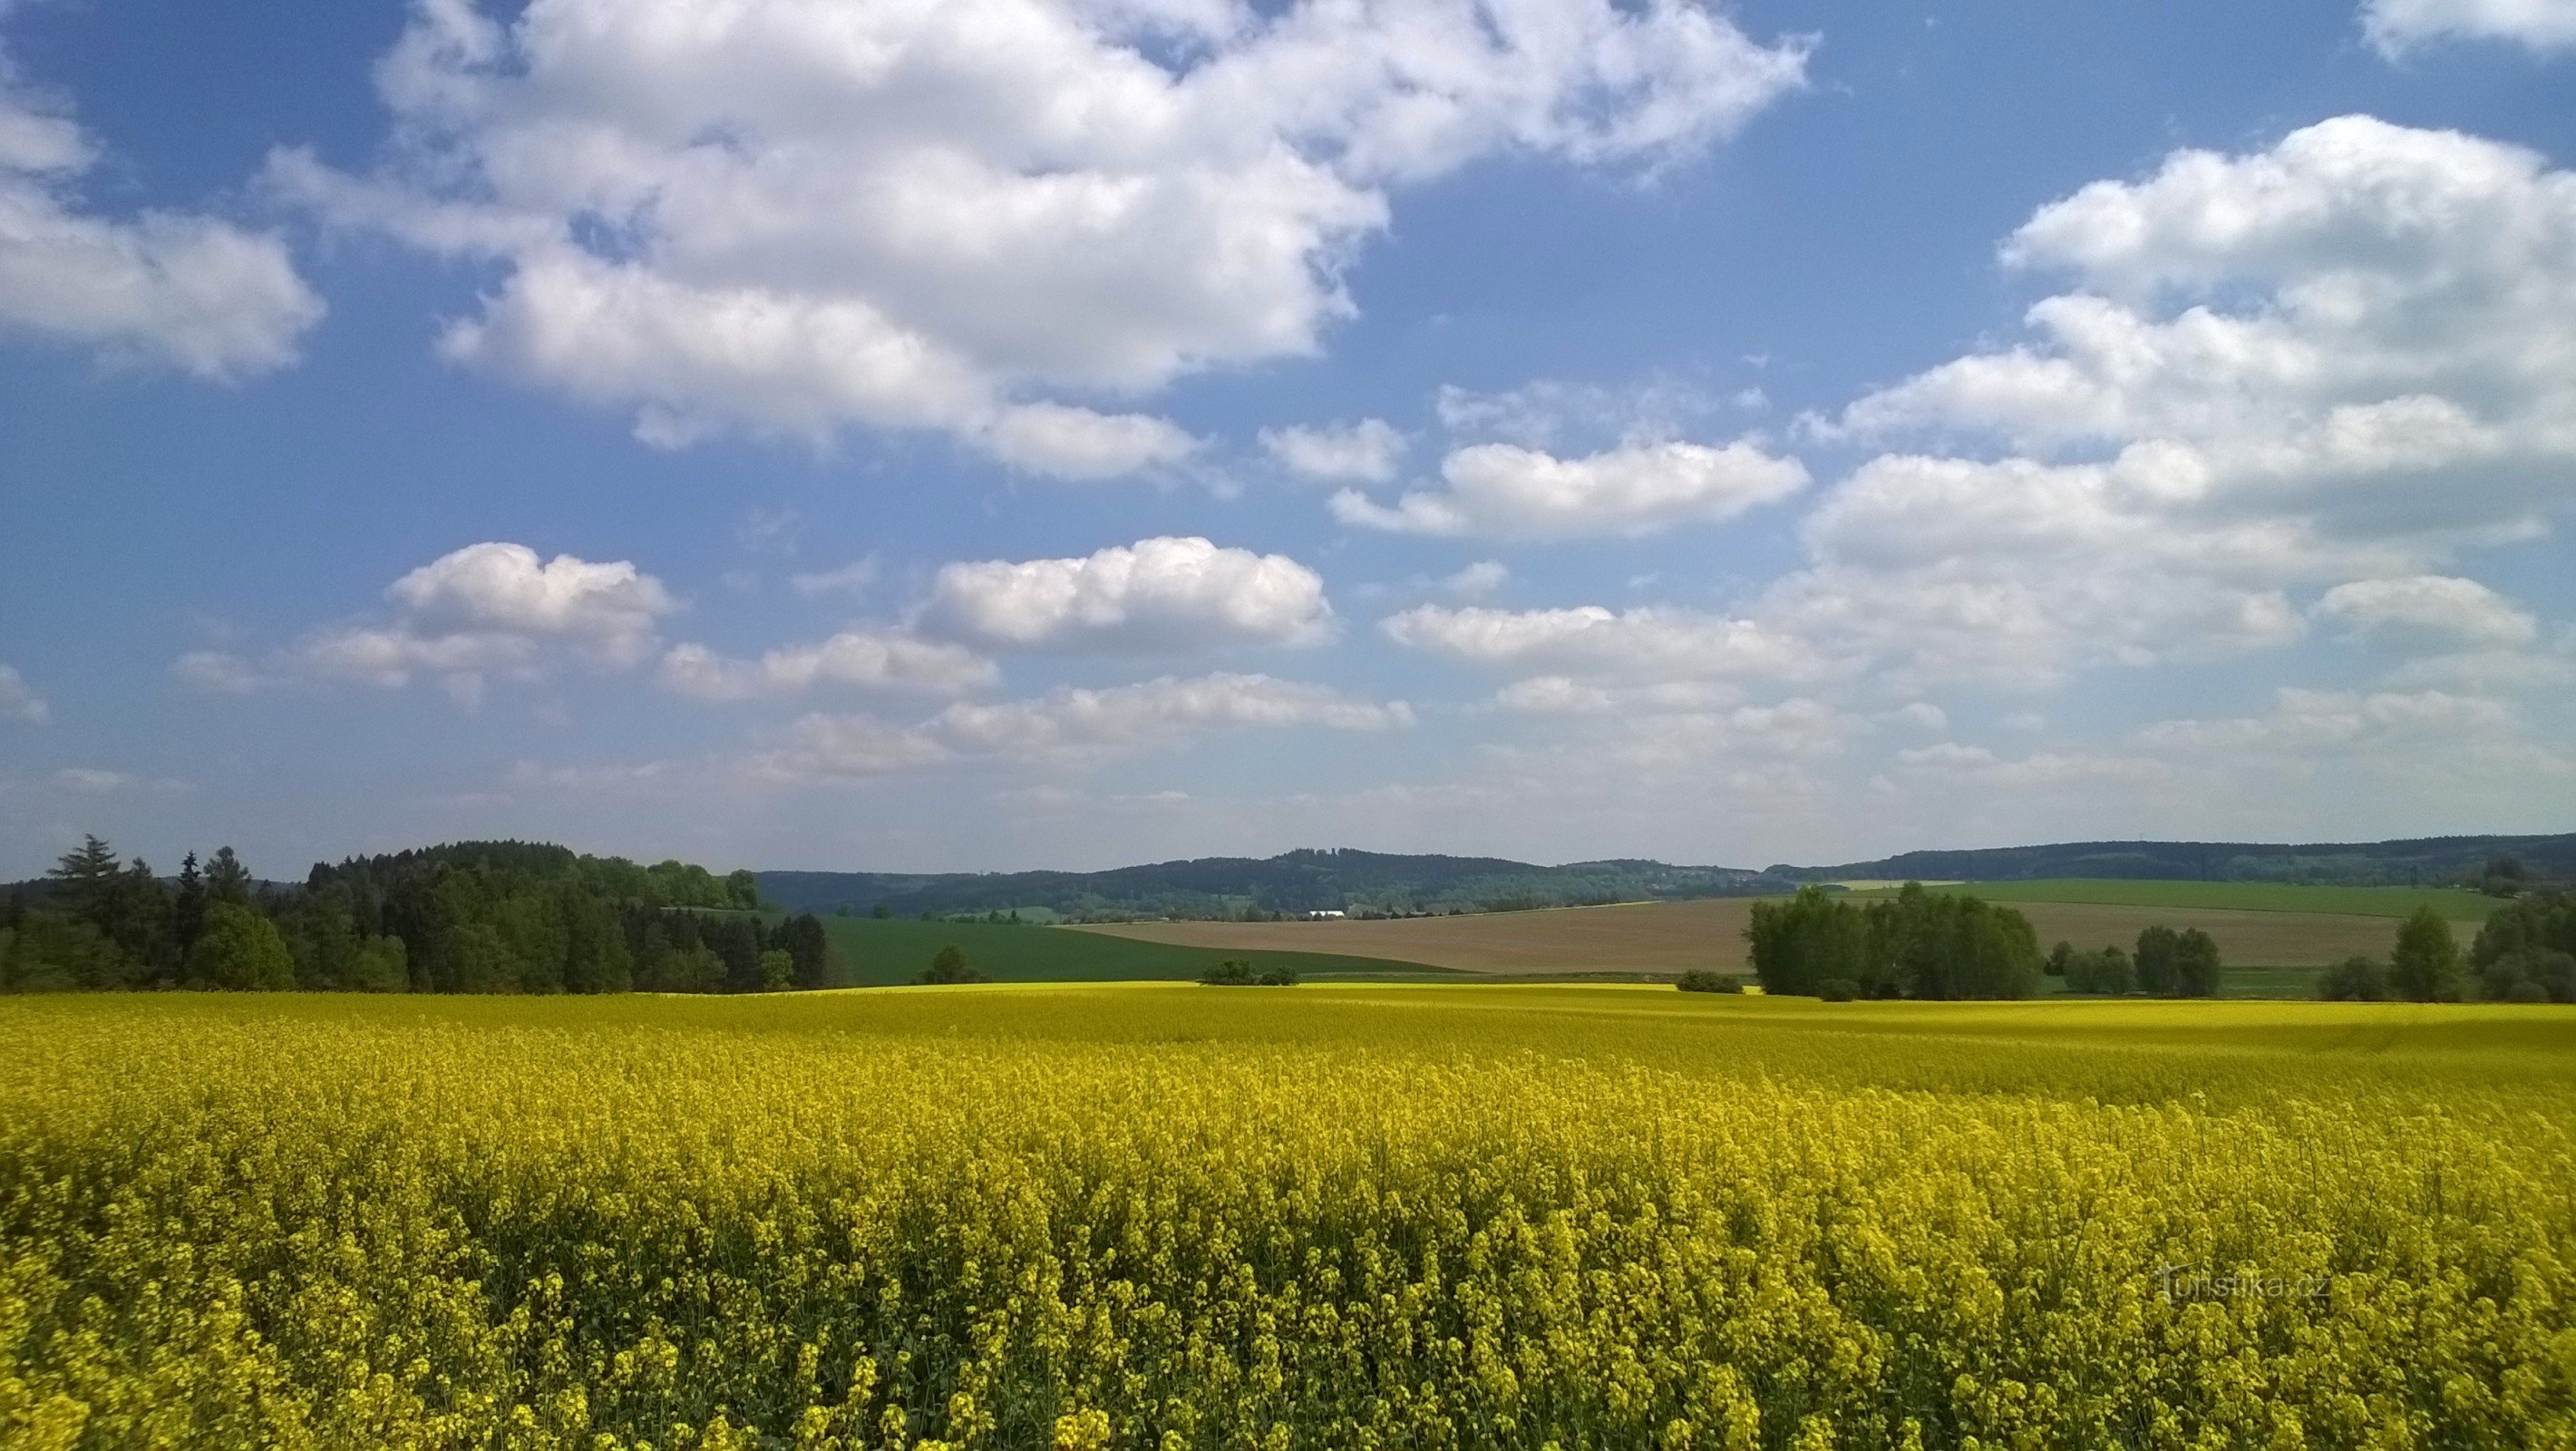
column 1837, row 990
column 1918, row 944
column 2196, row 967
column 2426, row 967
column 50, row 952
column 2159, row 971
column 950, row 967
column 481, row 917
column 2354, row 980
column 2105, row 970
column 1237, row 972
column 2542, row 922
column 240, row 951
column 1705, row 980
column 777, row 971
column 2530, row 975
column 227, row 880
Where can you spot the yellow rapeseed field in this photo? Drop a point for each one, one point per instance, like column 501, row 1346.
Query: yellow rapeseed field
column 1169, row 1216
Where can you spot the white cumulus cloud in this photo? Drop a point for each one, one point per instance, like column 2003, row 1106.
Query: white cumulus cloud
column 792, row 216
column 1504, row 491
column 1068, row 726
column 2343, row 356
column 1366, row 452
column 483, row 609
column 2396, row 26
column 1156, row 596
column 2429, row 609
column 1592, row 643
column 1077, row 443
column 169, row 289
column 882, row 659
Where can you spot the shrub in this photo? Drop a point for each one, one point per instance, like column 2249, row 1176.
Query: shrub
column 2354, row 980
column 1236, row 972
column 2426, row 964
column 2196, row 964
column 951, row 967
column 2158, row 973
column 1837, row 990
column 2549, row 974
column 2105, row 971
column 1704, row 980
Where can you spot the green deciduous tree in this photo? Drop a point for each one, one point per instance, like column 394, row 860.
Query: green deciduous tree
column 2197, row 969
column 240, row 950
column 2354, row 980
column 2158, row 973
column 777, row 971
column 2426, row 965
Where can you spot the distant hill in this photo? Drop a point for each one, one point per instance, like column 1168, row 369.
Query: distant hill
column 2421, row 861
column 1392, row 884
column 1290, row 883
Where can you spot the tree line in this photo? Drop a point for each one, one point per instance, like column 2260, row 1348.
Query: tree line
column 2526, row 953
column 1917, row 944
column 2167, row 964
column 471, row 917
column 1946, row 945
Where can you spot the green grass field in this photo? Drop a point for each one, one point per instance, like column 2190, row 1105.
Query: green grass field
column 1157, row 1215
column 884, row 952
column 2451, row 902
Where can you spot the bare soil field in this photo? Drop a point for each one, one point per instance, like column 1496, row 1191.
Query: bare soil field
column 1666, row 937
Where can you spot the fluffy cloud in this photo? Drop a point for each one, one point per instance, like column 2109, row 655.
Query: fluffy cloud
column 479, row 610
column 2429, row 609
column 1069, row 726
column 1504, row 491
column 1156, row 596
column 893, row 660
column 1477, row 580
column 19, row 701
column 1366, row 452
column 2343, row 356
column 1593, row 643
column 170, row 289
column 2396, row 26
column 1077, row 443
column 789, row 216
column 1082, row 722
column 506, row 589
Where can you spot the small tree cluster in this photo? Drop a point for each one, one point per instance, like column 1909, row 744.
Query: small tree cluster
column 949, row 967
column 2527, row 950
column 1235, row 972
column 1706, row 980
column 1917, row 944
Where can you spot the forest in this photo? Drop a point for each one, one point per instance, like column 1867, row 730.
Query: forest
column 468, row 917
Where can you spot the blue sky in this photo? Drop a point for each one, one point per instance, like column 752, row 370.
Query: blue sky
column 1055, row 433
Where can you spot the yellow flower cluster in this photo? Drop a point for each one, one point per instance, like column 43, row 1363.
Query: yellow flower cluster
column 1152, row 1216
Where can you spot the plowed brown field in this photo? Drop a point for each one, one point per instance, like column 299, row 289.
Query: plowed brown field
column 1666, row 937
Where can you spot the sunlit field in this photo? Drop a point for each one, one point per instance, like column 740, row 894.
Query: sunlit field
column 1151, row 1215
